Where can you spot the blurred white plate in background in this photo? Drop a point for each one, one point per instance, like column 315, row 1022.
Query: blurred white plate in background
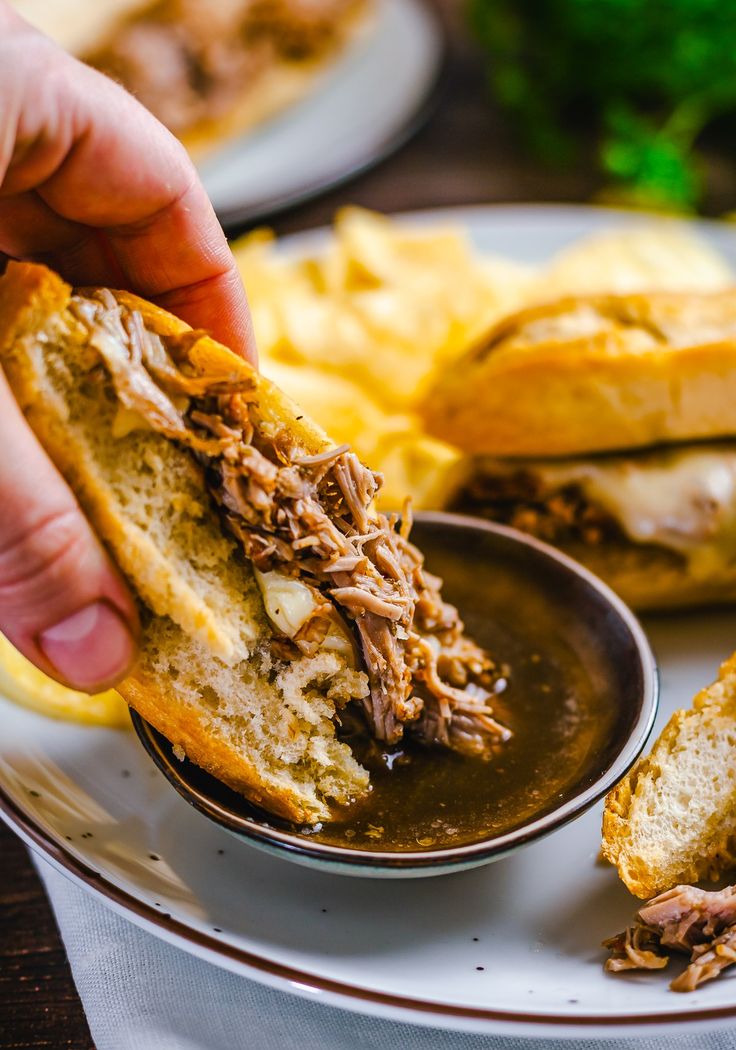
column 368, row 105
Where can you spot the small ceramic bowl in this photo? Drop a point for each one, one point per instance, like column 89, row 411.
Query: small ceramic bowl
column 519, row 597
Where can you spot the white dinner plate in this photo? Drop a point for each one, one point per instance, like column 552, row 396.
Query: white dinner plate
column 513, row 948
column 366, row 106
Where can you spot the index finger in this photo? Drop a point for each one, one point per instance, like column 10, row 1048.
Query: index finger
column 100, row 160
column 184, row 241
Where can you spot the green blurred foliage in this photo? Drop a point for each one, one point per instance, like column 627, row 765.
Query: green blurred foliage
column 647, row 75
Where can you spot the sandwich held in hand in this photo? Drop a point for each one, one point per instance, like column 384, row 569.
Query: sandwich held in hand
column 272, row 597
column 604, row 424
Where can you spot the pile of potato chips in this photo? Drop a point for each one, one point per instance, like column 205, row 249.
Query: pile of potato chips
column 356, row 332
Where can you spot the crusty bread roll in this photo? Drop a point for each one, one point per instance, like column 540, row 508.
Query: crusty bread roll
column 672, row 819
column 271, row 593
column 596, row 423
column 591, row 374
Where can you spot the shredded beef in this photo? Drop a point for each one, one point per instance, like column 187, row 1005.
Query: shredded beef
column 699, row 923
column 309, row 516
column 517, row 499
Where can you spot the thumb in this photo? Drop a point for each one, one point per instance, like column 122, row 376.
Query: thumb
column 62, row 603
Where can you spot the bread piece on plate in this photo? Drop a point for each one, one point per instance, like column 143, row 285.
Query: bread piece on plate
column 672, row 819
column 251, row 543
column 594, row 373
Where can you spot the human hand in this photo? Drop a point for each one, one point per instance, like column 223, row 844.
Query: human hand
column 93, row 186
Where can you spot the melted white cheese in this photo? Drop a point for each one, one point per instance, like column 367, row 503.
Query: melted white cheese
column 682, row 499
column 288, row 602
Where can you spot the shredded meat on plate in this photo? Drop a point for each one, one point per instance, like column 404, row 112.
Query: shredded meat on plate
column 309, row 517
column 699, row 923
column 519, row 499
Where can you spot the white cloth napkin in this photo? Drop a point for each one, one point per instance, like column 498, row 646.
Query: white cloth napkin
column 142, row 994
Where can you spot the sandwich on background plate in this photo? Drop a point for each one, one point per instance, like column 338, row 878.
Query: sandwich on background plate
column 604, row 424
column 272, row 596
column 209, row 71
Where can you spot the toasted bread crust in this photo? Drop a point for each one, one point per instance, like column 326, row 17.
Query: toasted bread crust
column 31, row 296
column 592, row 374
column 33, row 300
column 208, row 357
column 184, row 727
column 647, row 834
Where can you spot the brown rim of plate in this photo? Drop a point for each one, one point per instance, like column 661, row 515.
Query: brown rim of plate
column 63, row 860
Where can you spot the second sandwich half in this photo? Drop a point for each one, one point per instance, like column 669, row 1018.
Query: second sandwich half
column 605, row 425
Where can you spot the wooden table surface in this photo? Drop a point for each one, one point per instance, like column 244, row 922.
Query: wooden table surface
column 464, row 155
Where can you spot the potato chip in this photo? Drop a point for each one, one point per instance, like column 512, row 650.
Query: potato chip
column 381, row 306
column 663, row 257
column 414, row 464
column 410, row 461
column 26, row 685
column 354, row 418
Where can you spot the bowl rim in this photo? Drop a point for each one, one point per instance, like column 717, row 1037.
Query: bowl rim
column 293, row 844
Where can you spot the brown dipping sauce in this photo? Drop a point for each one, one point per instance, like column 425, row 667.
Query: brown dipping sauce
column 573, row 674
column 560, row 717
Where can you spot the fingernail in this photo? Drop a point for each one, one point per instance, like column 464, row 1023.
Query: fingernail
column 91, row 648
